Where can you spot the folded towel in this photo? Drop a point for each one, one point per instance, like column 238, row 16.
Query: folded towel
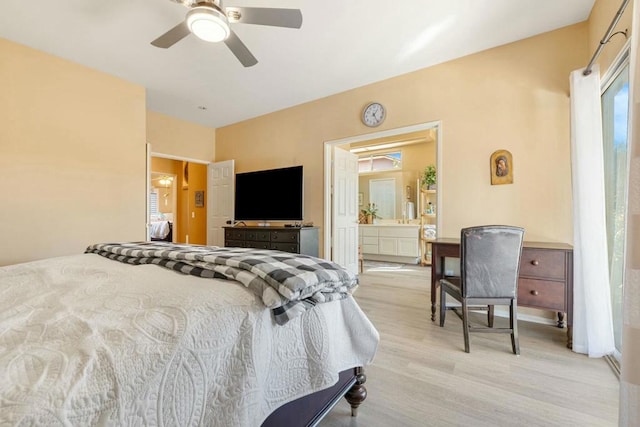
column 429, row 231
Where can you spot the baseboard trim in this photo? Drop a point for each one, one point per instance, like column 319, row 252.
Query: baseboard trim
column 526, row 317
column 502, row 312
column 391, row 258
column 614, row 364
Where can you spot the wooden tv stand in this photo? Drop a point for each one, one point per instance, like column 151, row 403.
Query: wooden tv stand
column 297, row 240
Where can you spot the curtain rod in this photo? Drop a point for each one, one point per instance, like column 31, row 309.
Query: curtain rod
column 607, row 37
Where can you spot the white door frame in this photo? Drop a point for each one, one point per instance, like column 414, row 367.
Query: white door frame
column 328, row 149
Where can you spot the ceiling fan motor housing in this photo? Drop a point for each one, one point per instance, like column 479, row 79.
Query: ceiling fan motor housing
column 208, row 23
column 192, row 3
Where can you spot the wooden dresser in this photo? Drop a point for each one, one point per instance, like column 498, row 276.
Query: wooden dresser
column 297, row 240
column 545, row 281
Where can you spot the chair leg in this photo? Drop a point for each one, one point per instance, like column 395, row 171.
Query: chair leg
column 465, row 324
column 443, row 305
column 513, row 324
column 490, row 316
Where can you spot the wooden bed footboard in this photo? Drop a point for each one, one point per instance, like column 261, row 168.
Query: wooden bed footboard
column 309, row 410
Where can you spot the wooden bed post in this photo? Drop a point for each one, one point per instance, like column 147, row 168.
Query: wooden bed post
column 358, row 393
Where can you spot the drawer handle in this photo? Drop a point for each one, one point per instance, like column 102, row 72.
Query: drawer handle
column 534, row 293
column 535, row 262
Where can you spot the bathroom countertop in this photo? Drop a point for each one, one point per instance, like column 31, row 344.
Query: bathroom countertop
column 389, row 224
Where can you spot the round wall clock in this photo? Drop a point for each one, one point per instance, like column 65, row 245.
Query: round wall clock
column 373, row 114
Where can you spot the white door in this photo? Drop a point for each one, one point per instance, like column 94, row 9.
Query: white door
column 345, row 209
column 220, row 201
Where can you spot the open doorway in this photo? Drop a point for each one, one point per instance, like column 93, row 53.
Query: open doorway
column 177, row 199
column 162, row 206
column 409, row 212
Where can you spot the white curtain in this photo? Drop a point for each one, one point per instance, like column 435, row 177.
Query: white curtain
column 630, row 376
column 592, row 324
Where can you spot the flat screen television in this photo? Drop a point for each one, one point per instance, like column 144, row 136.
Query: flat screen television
column 269, row 195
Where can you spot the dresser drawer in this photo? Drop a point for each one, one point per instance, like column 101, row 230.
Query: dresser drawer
column 234, row 234
column 234, row 243
column 259, row 236
column 285, row 247
column 256, row 244
column 290, row 239
column 541, row 293
column 284, row 236
column 543, row 264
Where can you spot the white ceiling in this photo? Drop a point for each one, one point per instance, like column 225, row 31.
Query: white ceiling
column 342, row 44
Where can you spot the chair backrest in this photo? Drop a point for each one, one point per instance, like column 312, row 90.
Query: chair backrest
column 490, row 261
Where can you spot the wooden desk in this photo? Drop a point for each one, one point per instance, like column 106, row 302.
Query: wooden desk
column 545, row 280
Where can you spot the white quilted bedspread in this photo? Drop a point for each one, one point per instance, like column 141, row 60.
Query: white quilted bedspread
column 89, row 341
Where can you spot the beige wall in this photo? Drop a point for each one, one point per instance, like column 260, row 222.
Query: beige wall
column 68, row 132
column 179, row 138
column 414, row 159
column 72, row 156
column 168, row 166
column 513, row 97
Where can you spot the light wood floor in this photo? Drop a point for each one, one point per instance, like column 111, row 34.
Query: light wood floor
column 421, row 375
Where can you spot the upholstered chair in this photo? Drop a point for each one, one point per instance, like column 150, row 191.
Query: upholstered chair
column 489, row 267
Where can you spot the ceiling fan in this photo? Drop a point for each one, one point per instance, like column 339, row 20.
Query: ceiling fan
column 209, row 21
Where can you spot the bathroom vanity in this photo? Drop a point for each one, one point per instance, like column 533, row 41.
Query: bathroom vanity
column 390, row 242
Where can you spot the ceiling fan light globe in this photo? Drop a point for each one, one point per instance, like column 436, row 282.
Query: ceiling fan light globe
column 208, row 24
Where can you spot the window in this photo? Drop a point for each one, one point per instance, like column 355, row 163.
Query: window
column 380, row 162
column 615, row 118
column 153, row 203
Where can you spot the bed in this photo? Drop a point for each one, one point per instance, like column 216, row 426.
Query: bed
column 161, row 231
column 114, row 338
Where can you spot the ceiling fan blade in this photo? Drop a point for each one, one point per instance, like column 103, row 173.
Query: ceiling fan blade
column 240, row 50
column 172, row 36
column 289, row 18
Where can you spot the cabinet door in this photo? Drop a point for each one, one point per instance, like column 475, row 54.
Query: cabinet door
column 408, row 247
column 388, row 245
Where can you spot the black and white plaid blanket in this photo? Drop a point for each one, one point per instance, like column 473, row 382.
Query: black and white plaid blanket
column 287, row 283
